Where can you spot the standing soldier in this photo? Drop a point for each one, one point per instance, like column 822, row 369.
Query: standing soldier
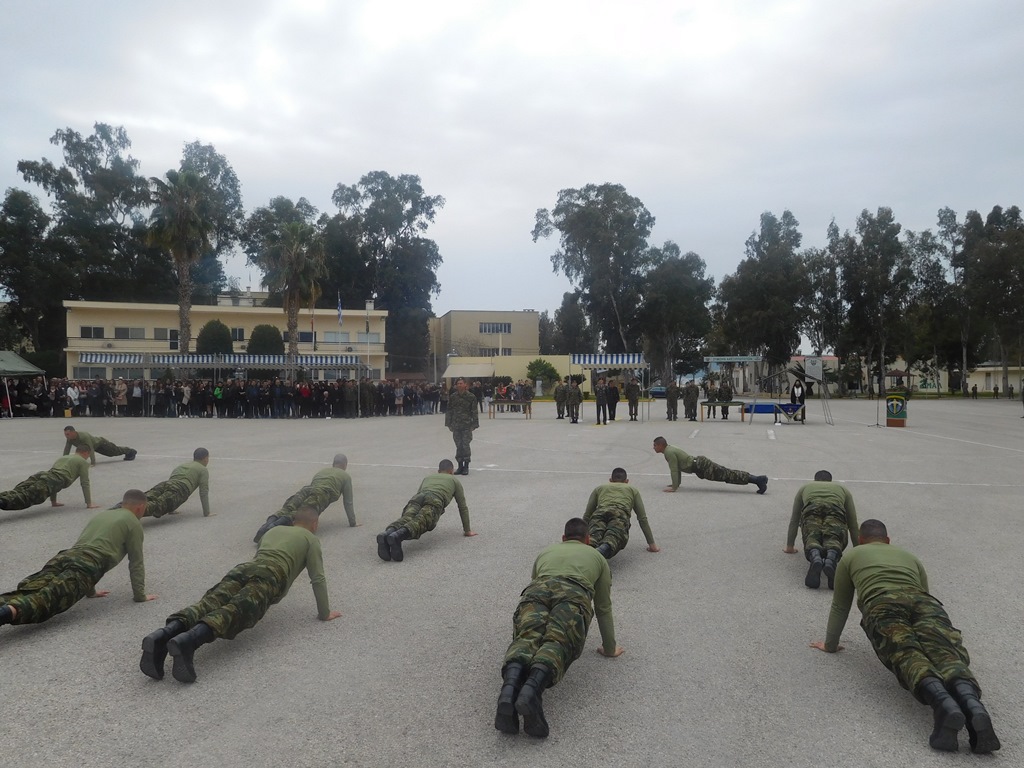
column 712, row 397
column 241, row 598
column 560, row 392
column 573, row 398
column 423, row 510
column 167, row 496
column 328, row 485
column 613, row 398
column 824, row 511
column 632, row 392
column 608, row 512
column 672, row 400
column 41, row 485
column 725, row 396
column 601, row 401
column 75, row 439
column 911, row 635
column 570, row 582
column 462, row 418
column 704, row 468
column 690, row 397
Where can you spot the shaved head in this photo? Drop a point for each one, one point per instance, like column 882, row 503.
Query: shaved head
column 340, row 460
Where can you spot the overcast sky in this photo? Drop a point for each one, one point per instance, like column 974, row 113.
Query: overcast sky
column 709, row 112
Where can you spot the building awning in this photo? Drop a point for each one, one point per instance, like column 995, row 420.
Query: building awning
column 110, row 358
column 620, row 360
column 469, row 371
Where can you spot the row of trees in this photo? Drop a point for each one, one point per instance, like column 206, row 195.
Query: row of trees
column 941, row 300
column 111, row 234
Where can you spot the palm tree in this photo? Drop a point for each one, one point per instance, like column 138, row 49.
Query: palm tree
column 182, row 222
column 293, row 262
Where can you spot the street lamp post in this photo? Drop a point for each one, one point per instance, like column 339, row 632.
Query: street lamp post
column 369, row 368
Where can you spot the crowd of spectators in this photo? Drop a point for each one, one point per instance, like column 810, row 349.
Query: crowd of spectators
column 230, row 398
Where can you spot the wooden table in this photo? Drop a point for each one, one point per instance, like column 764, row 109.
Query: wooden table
column 525, row 405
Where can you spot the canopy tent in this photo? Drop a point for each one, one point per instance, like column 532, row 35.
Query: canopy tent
column 13, row 365
column 469, row 371
column 630, row 360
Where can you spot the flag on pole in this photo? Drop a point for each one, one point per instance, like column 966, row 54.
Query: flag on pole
column 339, row 308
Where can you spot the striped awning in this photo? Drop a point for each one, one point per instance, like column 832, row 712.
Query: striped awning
column 256, row 361
column 621, row 360
column 110, row 358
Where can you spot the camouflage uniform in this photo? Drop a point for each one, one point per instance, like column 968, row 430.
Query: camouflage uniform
column 701, row 466
column 571, row 582
column 690, row 397
column 248, row 590
column 462, row 418
column 632, row 393
column 46, row 485
column 573, row 398
column 609, row 512
column 328, row 485
column 167, row 496
column 560, row 392
column 95, row 445
column 725, row 396
column 672, row 401
column 423, row 510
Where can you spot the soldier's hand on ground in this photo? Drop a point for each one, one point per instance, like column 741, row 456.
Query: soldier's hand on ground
column 619, row 650
column 669, row 489
column 469, row 533
column 56, row 504
column 653, row 548
column 87, row 506
column 151, row 598
column 100, row 593
column 333, row 615
column 790, row 550
column 821, row 647
column 355, row 525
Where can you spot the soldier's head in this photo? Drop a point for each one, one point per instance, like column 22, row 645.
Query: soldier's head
column 70, row 433
column 577, row 529
column 201, row 455
column 461, row 385
column 823, row 475
column 341, row 461
column 306, row 517
column 618, row 475
column 872, row 531
column 134, row 501
column 82, row 451
column 446, row 467
column 660, row 444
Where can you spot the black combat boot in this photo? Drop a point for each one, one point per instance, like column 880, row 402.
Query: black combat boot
column 130, row 456
column 395, row 539
column 6, row 615
column 761, row 481
column 979, row 723
column 606, row 550
column 183, row 647
column 506, row 719
column 831, row 563
column 529, row 703
column 154, row 649
column 813, row 578
column 949, row 718
column 383, row 550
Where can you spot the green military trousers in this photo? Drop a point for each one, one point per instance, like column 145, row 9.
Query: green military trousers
column 239, row 600
column 28, row 493
column 319, row 498
column 913, row 637
column 706, row 469
column 550, row 625
column 67, row 578
column 166, row 497
column 823, row 526
column 610, row 525
column 106, row 448
column 420, row 515
column 462, row 438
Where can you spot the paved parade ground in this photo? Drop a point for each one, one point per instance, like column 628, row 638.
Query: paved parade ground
column 717, row 669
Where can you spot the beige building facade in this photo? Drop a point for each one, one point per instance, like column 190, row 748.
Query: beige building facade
column 112, row 339
column 483, row 333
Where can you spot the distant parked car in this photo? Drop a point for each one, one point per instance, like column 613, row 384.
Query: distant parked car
column 658, row 392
